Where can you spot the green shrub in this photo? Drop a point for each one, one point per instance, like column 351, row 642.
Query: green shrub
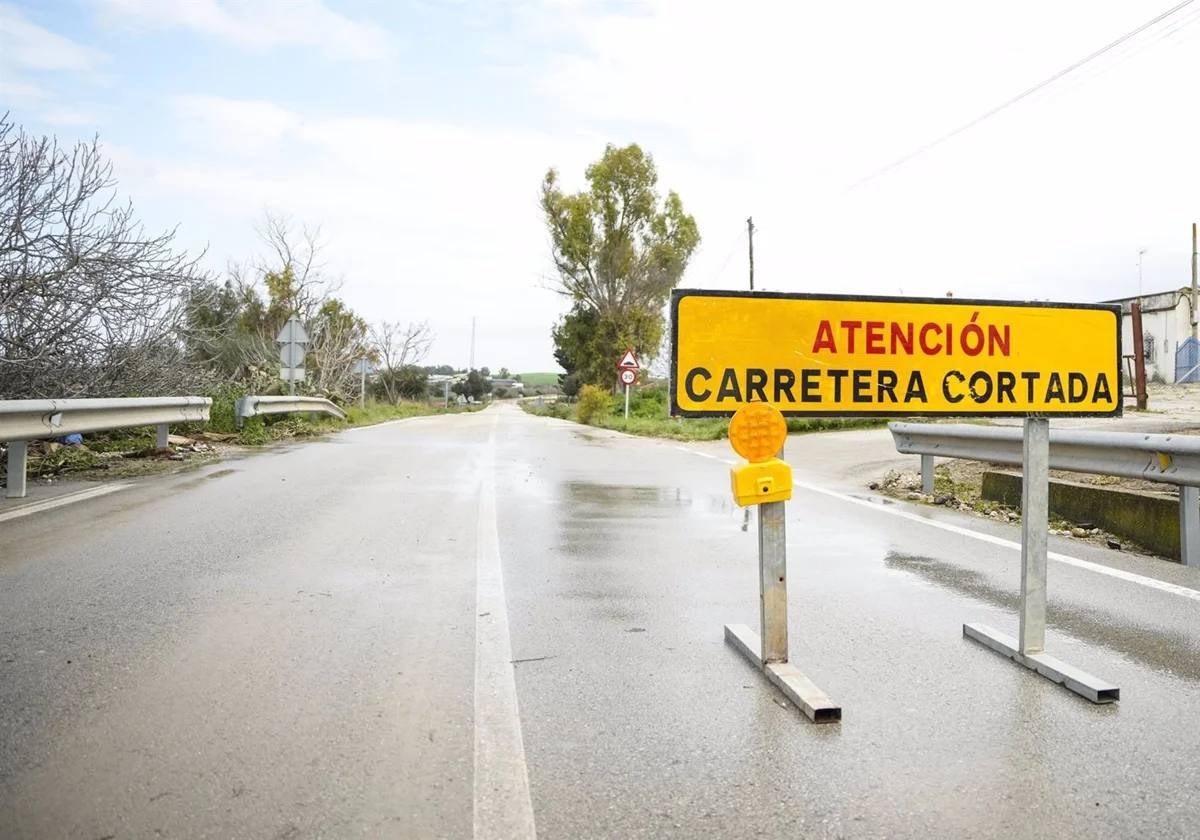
column 594, row 404
column 254, row 432
column 649, row 402
column 221, row 415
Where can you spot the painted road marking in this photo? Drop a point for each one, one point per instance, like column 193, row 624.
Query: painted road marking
column 60, row 501
column 391, row 422
column 503, row 808
column 1098, row 568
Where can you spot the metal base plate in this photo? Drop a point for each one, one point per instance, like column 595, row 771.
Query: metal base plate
column 1080, row 682
column 786, row 677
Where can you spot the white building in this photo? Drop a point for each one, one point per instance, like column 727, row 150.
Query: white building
column 1166, row 324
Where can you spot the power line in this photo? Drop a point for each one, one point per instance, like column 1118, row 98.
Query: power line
column 1022, row 95
column 1131, row 50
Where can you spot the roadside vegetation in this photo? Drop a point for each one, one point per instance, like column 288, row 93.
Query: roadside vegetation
column 648, row 416
column 257, row 431
column 619, row 247
column 92, row 304
column 131, row 452
column 545, row 379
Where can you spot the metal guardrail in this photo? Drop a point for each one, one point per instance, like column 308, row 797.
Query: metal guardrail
column 252, row 406
column 1170, row 459
column 25, row 420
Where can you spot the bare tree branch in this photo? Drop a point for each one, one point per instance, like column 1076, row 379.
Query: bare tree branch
column 89, row 301
column 396, row 346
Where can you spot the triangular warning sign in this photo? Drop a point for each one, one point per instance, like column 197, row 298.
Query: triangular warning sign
column 629, row 361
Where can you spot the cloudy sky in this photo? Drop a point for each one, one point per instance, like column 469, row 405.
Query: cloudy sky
column 416, row 133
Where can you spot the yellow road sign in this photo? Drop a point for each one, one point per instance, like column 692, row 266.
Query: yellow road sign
column 832, row 355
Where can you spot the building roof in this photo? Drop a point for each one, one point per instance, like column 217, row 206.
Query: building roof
column 1156, row 301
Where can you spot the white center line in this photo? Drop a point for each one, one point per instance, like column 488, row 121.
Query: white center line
column 1067, row 560
column 503, row 807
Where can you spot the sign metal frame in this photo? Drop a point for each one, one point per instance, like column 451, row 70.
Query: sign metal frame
column 770, row 652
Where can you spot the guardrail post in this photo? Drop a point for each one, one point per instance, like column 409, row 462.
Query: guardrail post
column 162, row 436
column 1189, row 525
column 17, row 456
column 1035, row 513
column 927, row 475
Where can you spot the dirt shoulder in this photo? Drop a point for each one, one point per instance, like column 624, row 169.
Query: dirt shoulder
column 958, row 486
column 113, row 458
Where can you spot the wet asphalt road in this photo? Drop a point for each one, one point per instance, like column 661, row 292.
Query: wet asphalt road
column 289, row 646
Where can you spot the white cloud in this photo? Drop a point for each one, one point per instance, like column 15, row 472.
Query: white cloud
column 66, row 115
column 773, row 109
column 246, row 126
column 16, row 92
column 258, row 24
column 28, row 54
column 766, row 110
column 425, row 220
column 28, row 46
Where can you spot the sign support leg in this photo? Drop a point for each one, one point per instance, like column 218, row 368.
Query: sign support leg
column 1035, row 514
column 772, row 573
column 1029, row 648
column 626, row 402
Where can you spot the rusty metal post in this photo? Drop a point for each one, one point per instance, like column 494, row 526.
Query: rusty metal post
column 1139, row 355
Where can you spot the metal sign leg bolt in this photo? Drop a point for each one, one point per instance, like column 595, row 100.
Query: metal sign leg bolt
column 1029, row 649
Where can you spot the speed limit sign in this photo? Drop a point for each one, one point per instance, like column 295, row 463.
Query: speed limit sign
column 628, row 377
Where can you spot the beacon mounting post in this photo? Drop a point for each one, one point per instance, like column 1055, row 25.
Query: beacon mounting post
column 757, row 433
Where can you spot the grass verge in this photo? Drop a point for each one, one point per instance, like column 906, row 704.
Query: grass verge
column 257, row 431
column 648, row 418
column 126, row 453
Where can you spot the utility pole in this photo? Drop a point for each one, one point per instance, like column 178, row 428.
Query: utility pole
column 1141, row 253
column 750, row 231
column 471, row 367
column 1195, row 268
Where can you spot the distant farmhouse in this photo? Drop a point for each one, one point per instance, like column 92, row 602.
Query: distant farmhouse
column 1166, row 325
column 510, row 385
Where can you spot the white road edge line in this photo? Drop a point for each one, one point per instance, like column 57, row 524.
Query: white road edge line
column 503, row 806
column 60, row 501
column 389, row 423
column 1120, row 574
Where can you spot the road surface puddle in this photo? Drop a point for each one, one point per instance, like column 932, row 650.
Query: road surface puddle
column 1172, row 653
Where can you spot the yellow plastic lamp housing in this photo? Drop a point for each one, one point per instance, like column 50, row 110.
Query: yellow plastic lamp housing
column 757, row 432
column 764, row 481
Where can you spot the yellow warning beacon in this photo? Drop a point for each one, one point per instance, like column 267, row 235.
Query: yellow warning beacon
column 757, row 432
